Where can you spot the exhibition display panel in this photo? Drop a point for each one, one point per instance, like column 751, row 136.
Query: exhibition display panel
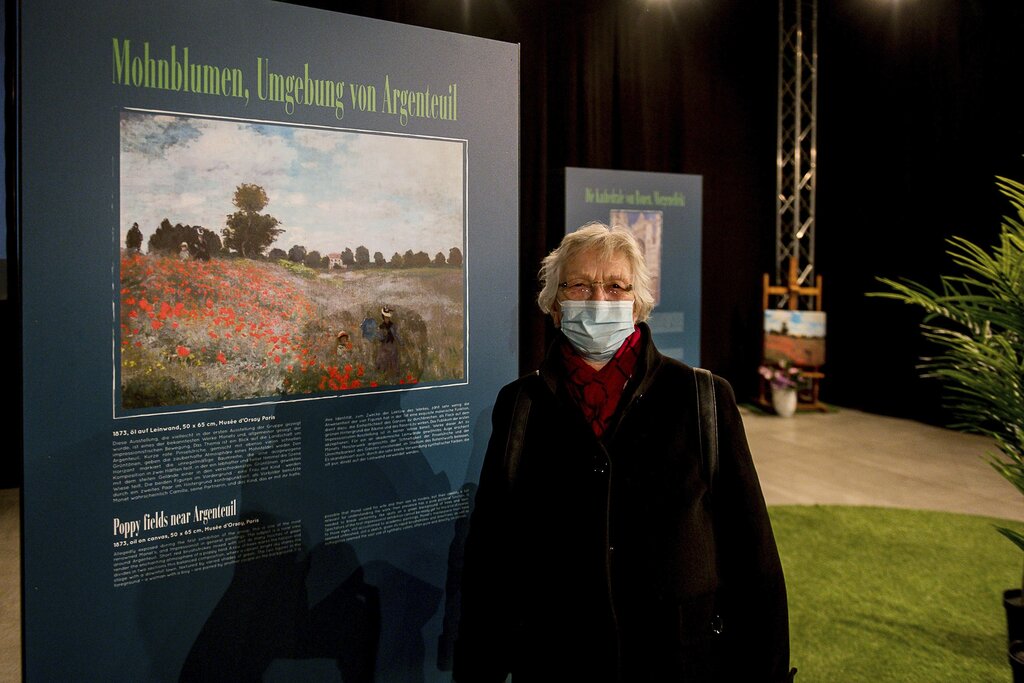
column 266, row 260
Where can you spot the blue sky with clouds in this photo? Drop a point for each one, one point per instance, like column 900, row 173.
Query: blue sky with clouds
column 799, row 323
column 330, row 188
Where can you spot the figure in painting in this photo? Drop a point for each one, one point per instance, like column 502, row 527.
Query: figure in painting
column 368, row 328
column 387, row 346
column 203, row 249
column 344, row 344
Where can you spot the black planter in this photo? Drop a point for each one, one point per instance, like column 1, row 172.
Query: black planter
column 1015, row 653
column 1013, row 603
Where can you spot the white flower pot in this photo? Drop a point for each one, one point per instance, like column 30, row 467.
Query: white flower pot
column 784, row 401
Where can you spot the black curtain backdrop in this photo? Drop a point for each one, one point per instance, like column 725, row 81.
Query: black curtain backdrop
column 919, row 109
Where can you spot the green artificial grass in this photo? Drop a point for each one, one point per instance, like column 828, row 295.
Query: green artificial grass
column 881, row 594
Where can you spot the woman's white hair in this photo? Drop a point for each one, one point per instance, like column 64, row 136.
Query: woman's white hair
column 606, row 242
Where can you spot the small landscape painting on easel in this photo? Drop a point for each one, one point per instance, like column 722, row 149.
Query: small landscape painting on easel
column 796, row 337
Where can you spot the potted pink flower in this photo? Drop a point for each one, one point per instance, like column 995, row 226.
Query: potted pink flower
column 784, row 378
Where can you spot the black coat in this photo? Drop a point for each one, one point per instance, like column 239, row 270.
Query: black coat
column 599, row 562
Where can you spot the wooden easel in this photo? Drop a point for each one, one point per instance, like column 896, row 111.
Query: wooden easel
column 807, row 398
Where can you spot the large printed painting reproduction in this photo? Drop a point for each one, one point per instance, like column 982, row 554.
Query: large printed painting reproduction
column 326, row 261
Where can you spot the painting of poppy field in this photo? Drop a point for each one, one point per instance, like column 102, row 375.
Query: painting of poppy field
column 197, row 332
column 268, row 260
column 796, row 337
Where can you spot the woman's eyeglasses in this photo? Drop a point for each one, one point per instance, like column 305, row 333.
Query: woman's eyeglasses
column 581, row 291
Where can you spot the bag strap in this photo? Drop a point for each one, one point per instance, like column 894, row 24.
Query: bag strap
column 707, row 412
column 707, row 418
column 516, row 433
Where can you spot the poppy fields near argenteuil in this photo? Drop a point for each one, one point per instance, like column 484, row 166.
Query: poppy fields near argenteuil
column 195, row 332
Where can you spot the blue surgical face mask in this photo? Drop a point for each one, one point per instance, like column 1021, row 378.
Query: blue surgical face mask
column 596, row 329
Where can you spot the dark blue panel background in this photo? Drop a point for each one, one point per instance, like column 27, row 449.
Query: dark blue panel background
column 681, row 245
column 77, row 626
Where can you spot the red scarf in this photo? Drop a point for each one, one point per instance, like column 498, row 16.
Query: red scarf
column 597, row 392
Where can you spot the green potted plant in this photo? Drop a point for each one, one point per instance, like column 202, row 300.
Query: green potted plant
column 976, row 323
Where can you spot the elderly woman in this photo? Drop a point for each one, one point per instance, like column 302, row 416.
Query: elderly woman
column 602, row 547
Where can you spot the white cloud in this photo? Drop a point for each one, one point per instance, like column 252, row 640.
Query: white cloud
column 329, row 189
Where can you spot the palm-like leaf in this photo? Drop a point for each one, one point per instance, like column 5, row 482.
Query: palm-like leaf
column 976, row 320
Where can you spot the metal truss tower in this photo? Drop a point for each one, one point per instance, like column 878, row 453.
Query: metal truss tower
column 797, row 146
